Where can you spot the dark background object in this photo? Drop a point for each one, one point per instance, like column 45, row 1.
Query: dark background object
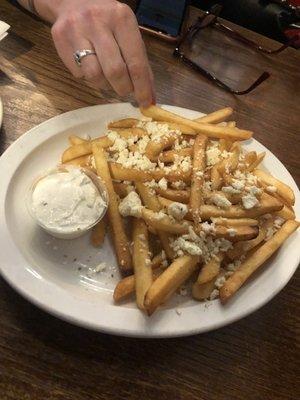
column 262, row 16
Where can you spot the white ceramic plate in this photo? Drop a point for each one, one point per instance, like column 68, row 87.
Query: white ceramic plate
column 54, row 274
column 1, row 112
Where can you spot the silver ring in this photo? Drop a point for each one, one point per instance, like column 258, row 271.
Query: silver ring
column 80, row 54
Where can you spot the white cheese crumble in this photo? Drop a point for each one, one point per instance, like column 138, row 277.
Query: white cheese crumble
column 271, row 189
column 177, row 210
column 163, row 184
column 249, row 201
column 231, row 231
column 131, row 205
column 220, row 201
column 213, row 154
column 214, row 294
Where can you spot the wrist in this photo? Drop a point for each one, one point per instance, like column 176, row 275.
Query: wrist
column 47, row 10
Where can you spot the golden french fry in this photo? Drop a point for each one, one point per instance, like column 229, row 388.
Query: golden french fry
column 123, row 123
column 199, row 164
column 154, row 147
column 131, row 174
column 122, row 189
column 169, row 281
column 76, row 151
column 210, row 270
column 182, row 128
column 216, row 177
column 213, row 131
column 119, row 236
column 256, row 162
column 141, row 261
column 283, row 190
column 83, row 161
column 235, row 221
column 150, row 201
column 267, row 204
column 237, row 233
column 73, row 139
column 243, row 247
column 170, row 155
column 229, row 165
column 164, row 222
column 204, row 290
column 180, row 196
column 285, row 213
column 231, row 124
column 126, row 287
column 98, row 233
column 252, row 263
column 216, row 116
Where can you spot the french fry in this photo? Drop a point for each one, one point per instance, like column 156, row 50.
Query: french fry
column 73, row 139
column 236, row 234
column 216, row 116
column 204, row 290
column 126, row 286
column 228, row 165
column 150, row 201
column 243, row 247
column 98, row 234
column 169, row 281
column 252, row 263
column 285, row 213
column 170, row 155
column 199, row 164
column 119, row 236
column 131, row 174
column 256, row 163
column 235, row 222
column 267, row 204
column 127, row 133
column 283, row 190
column 83, row 161
column 123, row 123
column 76, row 151
column 141, row 261
column 216, row 178
column 206, row 129
column 182, row 128
column 181, row 196
column 210, row 270
column 165, row 223
column 154, row 147
column 231, row 124
column 121, row 189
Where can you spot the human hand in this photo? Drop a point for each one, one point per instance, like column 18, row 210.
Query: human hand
column 111, row 30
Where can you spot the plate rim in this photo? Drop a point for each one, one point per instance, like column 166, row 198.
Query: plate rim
column 113, row 330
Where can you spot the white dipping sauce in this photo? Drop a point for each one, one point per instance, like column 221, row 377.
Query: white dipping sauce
column 67, row 203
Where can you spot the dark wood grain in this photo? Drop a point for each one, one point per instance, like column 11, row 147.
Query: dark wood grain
column 42, row 357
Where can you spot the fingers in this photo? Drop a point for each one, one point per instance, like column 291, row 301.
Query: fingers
column 112, row 63
column 133, row 51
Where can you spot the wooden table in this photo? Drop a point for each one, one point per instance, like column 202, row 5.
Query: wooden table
column 42, row 357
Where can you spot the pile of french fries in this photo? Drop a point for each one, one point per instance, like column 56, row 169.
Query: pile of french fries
column 146, row 254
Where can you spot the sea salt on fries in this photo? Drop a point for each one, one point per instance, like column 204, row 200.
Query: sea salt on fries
column 193, row 196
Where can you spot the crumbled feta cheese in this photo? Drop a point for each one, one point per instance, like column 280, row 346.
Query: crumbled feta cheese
column 183, row 291
column 131, row 205
column 220, row 201
column 271, row 189
column 178, row 185
column 249, row 201
column 163, row 184
column 159, row 215
column 213, row 154
column 208, row 228
column 220, row 282
column 177, row 210
column 214, row 294
column 231, row 231
column 255, row 191
column 199, row 174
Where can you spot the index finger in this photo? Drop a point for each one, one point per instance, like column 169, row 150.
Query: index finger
column 134, row 54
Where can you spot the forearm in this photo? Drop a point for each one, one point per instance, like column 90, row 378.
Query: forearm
column 46, row 9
